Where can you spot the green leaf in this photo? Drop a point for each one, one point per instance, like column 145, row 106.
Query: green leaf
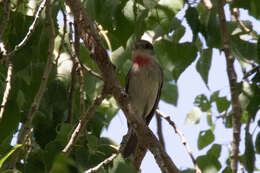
column 188, row 171
column 120, row 165
column 249, row 153
column 175, row 56
column 193, row 117
column 257, row 143
column 222, row 104
column 251, row 6
column 205, row 138
column 215, row 150
column 63, row 133
column 204, row 63
column 35, row 161
column 228, row 121
column 20, row 99
column 63, row 164
column 92, row 143
column 243, row 50
column 3, row 159
column 52, row 149
column 208, row 164
column 170, row 93
column 192, row 17
column 227, row 170
column 202, row 102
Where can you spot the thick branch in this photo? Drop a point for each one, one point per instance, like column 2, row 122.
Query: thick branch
column 99, row 54
column 236, row 109
column 159, row 130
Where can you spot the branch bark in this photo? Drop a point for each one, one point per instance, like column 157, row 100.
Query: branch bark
column 98, row 53
column 103, row 163
column 184, row 141
column 83, row 121
column 7, row 89
column 236, row 108
column 26, row 127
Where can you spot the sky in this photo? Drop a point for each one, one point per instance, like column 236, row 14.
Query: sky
column 190, row 85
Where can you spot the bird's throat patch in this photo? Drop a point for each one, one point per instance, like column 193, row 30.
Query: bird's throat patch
column 140, row 61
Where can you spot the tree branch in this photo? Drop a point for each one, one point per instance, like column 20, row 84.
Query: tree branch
column 236, row 109
column 241, row 24
column 159, row 130
column 83, row 121
column 99, row 55
column 103, row 163
column 184, row 141
column 7, row 89
column 25, row 129
column 31, row 29
column 8, row 79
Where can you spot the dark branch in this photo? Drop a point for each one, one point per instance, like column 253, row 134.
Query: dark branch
column 236, row 109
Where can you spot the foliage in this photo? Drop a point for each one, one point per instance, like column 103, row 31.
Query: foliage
column 124, row 21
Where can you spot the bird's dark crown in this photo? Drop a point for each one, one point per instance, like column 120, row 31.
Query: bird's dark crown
column 143, row 44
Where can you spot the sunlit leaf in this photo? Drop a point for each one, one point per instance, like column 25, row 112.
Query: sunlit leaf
column 193, row 117
column 3, row 159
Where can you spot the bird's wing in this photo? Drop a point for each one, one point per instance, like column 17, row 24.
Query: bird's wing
column 150, row 115
column 127, row 80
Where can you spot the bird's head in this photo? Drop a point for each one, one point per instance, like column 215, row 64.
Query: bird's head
column 142, row 53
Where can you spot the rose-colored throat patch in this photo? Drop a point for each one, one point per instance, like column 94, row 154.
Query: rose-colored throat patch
column 141, row 61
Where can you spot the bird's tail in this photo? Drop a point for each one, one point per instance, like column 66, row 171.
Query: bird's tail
column 130, row 144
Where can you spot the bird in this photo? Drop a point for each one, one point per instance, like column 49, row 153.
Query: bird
column 144, row 83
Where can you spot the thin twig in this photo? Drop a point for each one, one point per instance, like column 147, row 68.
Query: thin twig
column 103, row 163
column 83, row 121
column 26, row 127
column 31, row 29
column 242, row 25
column 7, row 89
column 97, row 75
column 8, row 79
column 249, row 73
column 159, row 130
column 236, row 108
column 183, row 139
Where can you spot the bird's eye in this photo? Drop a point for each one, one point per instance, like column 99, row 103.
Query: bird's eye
column 148, row 46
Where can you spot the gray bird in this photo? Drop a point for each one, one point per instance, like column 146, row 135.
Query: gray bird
column 143, row 84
